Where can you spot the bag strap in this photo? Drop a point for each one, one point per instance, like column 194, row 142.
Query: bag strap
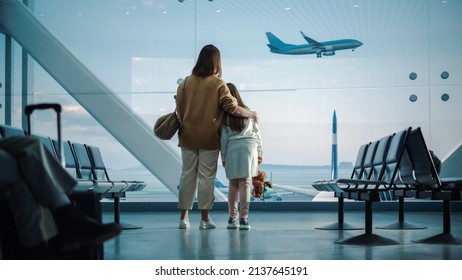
column 176, row 108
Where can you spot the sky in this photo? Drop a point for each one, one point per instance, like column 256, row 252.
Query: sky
column 141, row 48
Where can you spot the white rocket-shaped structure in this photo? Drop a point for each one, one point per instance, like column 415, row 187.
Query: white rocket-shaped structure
column 334, row 163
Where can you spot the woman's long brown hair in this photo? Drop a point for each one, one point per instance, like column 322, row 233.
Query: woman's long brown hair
column 235, row 123
column 208, row 63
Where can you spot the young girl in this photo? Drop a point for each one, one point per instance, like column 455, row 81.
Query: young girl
column 240, row 150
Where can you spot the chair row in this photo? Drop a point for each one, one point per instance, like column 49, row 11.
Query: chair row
column 400, row 160
column 419, row 178
column 85, row 163
column 400, row 163
column 376, row 168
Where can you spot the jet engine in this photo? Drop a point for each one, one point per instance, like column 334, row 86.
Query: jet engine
column 329, row 53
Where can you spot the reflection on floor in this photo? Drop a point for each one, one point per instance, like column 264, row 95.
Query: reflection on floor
column 277, row 235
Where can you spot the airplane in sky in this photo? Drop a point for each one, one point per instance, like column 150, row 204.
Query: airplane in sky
column 327, row 48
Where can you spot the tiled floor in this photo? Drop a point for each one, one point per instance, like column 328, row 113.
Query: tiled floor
column 277, row 235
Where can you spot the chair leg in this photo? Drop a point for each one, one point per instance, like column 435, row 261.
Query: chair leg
column 367, row 238
column 401, row 224
column 446, row 236
column 124, row 226
column 340, row 224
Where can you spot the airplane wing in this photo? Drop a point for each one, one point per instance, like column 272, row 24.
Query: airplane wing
column 310, row 41
column 308, row 192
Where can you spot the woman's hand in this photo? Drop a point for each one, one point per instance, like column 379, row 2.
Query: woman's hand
column 255, row 116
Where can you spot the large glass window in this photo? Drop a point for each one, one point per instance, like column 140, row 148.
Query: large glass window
column 405, row 73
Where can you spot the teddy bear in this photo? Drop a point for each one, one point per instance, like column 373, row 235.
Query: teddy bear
column 259, row 182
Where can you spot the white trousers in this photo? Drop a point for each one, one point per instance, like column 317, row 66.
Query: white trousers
column 199, row 172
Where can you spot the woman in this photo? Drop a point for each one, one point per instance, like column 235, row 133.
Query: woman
column 240, row 153
column 202, row 99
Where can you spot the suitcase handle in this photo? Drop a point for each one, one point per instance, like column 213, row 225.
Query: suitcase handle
column 43, row 106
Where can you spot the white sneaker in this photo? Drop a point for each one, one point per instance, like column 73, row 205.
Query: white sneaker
column 207, row 224
column 184, row 224
column 232, row 223
column 244, row 224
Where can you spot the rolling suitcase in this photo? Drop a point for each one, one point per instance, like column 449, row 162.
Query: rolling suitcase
column 88, row 202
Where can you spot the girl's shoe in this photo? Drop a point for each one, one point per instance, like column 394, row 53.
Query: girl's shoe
column 232, row 224
column 244, row 224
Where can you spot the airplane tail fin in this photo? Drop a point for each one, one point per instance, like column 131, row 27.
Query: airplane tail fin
column 274, row 42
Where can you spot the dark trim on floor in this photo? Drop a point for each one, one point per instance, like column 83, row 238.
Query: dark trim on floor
column 412, row 206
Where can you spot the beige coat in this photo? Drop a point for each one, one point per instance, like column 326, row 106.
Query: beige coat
column 201, row 104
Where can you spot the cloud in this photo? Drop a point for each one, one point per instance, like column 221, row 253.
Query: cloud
column 74, row 109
